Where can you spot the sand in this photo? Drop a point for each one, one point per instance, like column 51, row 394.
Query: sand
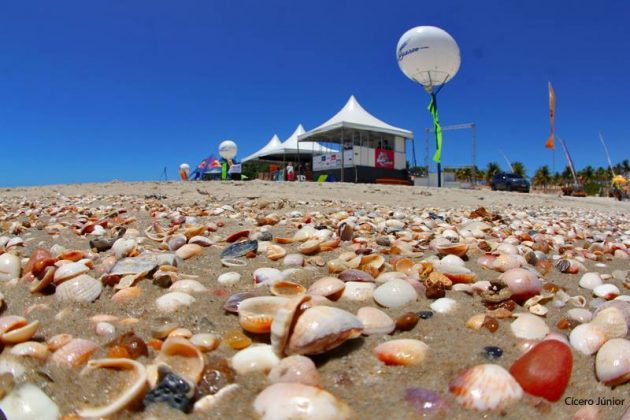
column 351, row 372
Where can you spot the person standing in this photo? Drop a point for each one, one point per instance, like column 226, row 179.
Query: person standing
column 290, row 172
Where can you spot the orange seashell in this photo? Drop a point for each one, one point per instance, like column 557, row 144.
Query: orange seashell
column 75, row 353
column 125, row 295
column 57, row 341
column 21, row 334
column 402, row 352
column 155, row 344
column 116, row 352
column 283, row 240
column 72, row 255
column 329, row 245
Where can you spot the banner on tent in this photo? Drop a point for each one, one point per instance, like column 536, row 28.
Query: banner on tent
column 384, row 158
column 235, row 169
column 328, row 161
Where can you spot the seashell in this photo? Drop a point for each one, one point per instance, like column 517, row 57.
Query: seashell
column 505, row 262
column 176, row 241
column 256, row 314
column 476, row 321
column 133, row 391
column 358, row 291
column 390, row 275
column 295, row 369
column 188, row 251
column 182, row 357
column 47, row 277
column 236, row 236
column 11, row 322
column 171, row 302
column 124, row 247
column 538, row 309
column 233, row 302
column 485, row 387
column 82, row 288
column 375, row 321
column 426, row 402
column 355, row 275
column 322, row 328
column 240, row 249
column 570, row 266
column 105, row 328
column 612, row 322
column 31, row 349
column 68, row 271
column 309, row 247
column 590, row 280
column 453, row 259
column 181, row 332
column 444, row 305
column 127, row 294
column 296, row 260
column 188, row 286
column 75, row 353
column 19, row 334
column 337, row 266
column 267, row 276
column 458, row 249
column 456, row 273
column 39, row 260
column 294, row 401
column 395, row 293
column 304, row 233
column 229, row 278
column 580, row 315
column 330, row 287
column 28, row 402
column 287, row 289
column 587, row 338
column 579, row 301
column 522, row 283
column 275, row 252
column 201, row 241
column 255, row 358
column 140, row 264
column 612, row 363
column 529, row 327
column 402, row 352
column 57, row 341
column 206, row 403
column 205, row 342
column 606, row 291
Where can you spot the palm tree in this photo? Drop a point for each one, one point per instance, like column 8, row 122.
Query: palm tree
column 587, row 173
column 557, row 179
column 519, row 169
column 567, row 175
column 492, row 169
column 625, row 166
column 541, row 177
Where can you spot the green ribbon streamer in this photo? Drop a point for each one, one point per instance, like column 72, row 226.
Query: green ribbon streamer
column 224, row 170
column 437, row 157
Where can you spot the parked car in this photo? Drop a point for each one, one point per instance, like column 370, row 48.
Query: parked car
column 509, row 182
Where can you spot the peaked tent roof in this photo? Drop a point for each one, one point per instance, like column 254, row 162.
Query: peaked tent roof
column 353, row 115
column 270, row 147
column 290, row 145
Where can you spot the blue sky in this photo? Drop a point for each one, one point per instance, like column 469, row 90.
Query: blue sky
column 102, row 90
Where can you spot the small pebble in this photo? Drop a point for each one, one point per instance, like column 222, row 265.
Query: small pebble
column 236, row 339
column 407, row 321
column 425, row 314
column 492, row 352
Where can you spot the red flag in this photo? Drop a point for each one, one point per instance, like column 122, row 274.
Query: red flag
column 552, row 111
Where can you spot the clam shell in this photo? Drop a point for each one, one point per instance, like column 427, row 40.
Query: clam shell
column 20, row 334
column 127, row 294
column 293, row 260
column 322, row 328
column 29, row 402
column 298, row 401
column 182, row 357
column 287, row 289
column 529, row 327
column 395, row 293
column 358, row 291
column 612, row 363
column 330, row 287
column 587, row 338
column 68, row 271
column 205, row 342
column 283, row 320
column 75, row 353
column 82, row 288
column 255, row 358
column 402, row 352
column 444, row 305
column 229, row 278
column 256, row 314
column 295, row 369
column 267, row 276
column 188, row 251
column 485, row 387
column 171, row 302
column 612, row 322
column 580, row 315
column 31, row 349
column 188, row 286
column 606, row 291
column 132, row 392
column 375, row 321
column 590, row 280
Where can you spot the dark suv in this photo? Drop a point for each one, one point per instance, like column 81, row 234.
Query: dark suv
column 509, row 182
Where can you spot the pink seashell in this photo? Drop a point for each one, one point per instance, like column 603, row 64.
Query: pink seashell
column 402, row 352
column 75, row 353
column 485, row 387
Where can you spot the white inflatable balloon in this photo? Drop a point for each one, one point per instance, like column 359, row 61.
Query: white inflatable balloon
column 184, row 167
column 428, row 55
column 227, row 149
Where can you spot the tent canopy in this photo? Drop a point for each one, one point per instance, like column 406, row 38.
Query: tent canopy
column 271, row 146
column 351, row 117
column 288, row 150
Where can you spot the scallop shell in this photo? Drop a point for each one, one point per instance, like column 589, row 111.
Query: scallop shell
column 132, row 392
column 485, row 387
column 322, row 328
column 612, row 363
column 82, row 288
column 587, row 338
column 68, row 271
column 402, row 352
column 612, row 322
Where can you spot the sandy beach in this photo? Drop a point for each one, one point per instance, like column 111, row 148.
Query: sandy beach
column 350, row 372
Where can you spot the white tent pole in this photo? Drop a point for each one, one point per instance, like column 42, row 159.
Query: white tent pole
column 342, row 155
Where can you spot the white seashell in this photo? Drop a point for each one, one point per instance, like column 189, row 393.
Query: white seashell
column 82, row 288
column 590, row 281
column 255, row 358
column 105, row 328
column 188, row 286
column 388, row 276
column 205, row 342
column 358, row 291
column 395, row 293
column 612, row 363
column 123, row 247
column 580, row 315
column 229, row 278
column 606, row 291
column 612, row 322
column 402, row 352
column 453, row 259
column 295, row 369
column 208, row 402
column 375, row 321
column 188, row 251
column 444, row 305
column 327, row 286
column 31, row 349
column 68, row 271
column 267, row 276
column 29, row 402
column 203, row 241
column 485, row 387
column 293, row 260
column 284, row 401
column 132, row 392
column 587, row 338
column 9, row 267
column 171, row 302
column 304, row 233
column 12, row 366
column 529, row 327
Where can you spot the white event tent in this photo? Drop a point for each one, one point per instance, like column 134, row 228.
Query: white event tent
column 272, row 145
